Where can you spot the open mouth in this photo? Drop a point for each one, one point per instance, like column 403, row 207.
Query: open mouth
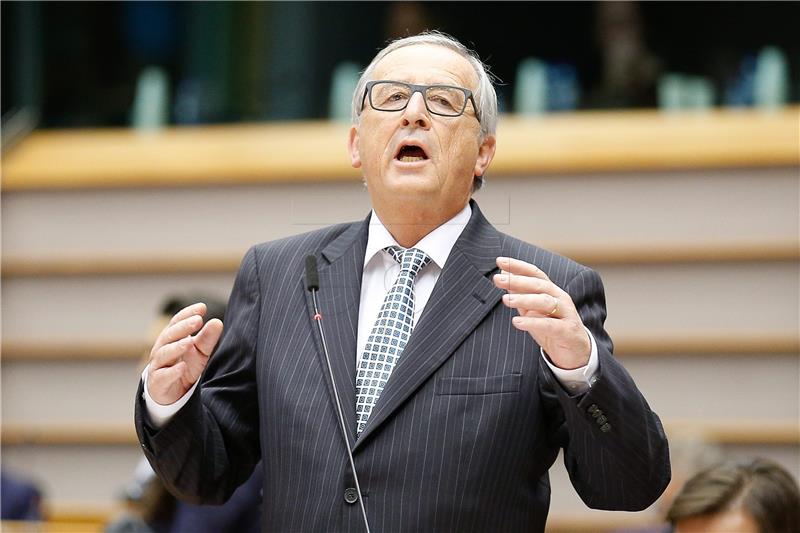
column 411, row 154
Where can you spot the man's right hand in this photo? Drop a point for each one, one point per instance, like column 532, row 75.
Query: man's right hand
column 178, row 357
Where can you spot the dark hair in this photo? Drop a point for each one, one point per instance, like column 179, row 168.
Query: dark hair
column 760, row 487
column 215, row 307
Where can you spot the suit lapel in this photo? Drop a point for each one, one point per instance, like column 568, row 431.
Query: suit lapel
column 339, row 298
column 464, row 294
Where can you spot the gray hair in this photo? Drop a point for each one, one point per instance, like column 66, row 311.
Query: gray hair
column 484, row 94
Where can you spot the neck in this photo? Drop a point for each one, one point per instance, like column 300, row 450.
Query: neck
column 409, row 226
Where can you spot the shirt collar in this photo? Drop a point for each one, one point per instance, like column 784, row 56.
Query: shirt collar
column 437, row 244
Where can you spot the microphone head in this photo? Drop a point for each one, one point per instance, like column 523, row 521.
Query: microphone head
column 312, row 277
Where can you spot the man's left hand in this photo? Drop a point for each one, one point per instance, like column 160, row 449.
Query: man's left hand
column 546, row 312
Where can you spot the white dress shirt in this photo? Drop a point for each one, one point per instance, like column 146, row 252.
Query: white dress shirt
column 380, row 272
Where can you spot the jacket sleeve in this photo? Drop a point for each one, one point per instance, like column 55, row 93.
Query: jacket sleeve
column 615, row 449
column 211, row 445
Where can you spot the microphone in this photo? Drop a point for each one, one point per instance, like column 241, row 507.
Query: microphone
column 312, row 276
column 312, row 285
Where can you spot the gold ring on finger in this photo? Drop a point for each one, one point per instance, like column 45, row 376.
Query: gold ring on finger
column 555, row 308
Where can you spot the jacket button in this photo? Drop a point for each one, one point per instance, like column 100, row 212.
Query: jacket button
column 601, row 420
column 605, row 428
column 593, row 408
column 351, row 495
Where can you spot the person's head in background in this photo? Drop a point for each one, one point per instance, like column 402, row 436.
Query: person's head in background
column 755, row 497
column 215, row 307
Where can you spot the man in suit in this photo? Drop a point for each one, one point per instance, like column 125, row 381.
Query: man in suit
column 463, row 358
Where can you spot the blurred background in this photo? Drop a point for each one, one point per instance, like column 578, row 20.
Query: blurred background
column 146, row 145
column 82, row 64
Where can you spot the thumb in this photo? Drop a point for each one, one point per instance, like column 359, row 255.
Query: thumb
column 206, row 339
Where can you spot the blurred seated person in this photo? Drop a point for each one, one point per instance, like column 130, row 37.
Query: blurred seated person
column 19, row 499
column 630, row 70
column 240, row 514
column 755, row 497
column 152, row 509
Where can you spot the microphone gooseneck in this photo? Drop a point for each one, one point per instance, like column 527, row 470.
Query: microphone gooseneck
column 312, row 285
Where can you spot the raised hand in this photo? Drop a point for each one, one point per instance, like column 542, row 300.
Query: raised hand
column 180, row 353
column 546, row 312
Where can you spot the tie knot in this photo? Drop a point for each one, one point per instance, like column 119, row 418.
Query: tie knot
column 411, row 259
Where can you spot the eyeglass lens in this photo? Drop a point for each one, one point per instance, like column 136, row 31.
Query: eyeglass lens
column 442, row 100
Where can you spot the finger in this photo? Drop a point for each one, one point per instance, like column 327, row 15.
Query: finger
column 177, row 331
column 568, row 347
column 539, row 327
column 542, row 304
column 172, row 353
column 165, row 377
column 525, row 285
column 186, row 312
column 167, row 385
column 194, row 350
column 207, row 338
column 521, row 268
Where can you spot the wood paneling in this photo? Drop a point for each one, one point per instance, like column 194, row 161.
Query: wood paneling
column 638, row 345
column 734, row 432
column 223, row 262
column 598, row 141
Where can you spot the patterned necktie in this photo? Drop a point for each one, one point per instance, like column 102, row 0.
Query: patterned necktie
column 390, row 333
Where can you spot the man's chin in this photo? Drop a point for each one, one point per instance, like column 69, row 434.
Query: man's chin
column 413, row 188
column 412, row 172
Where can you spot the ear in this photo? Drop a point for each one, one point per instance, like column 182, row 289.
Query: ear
column 485, row 154
column 352, row 147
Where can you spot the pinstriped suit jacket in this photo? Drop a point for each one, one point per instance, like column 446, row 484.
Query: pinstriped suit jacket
column 462, row 436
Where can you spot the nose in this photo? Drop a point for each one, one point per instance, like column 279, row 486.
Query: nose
column 416, row 113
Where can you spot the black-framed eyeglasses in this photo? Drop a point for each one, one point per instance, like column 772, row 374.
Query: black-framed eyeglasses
column 442, row 100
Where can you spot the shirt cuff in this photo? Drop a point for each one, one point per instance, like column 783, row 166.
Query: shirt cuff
column 161, row 414
column 579, row 380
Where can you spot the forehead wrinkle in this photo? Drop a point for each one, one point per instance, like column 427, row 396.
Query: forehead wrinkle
column 406, row 70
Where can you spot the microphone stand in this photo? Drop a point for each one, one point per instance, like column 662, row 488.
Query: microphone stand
column 312, row 284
